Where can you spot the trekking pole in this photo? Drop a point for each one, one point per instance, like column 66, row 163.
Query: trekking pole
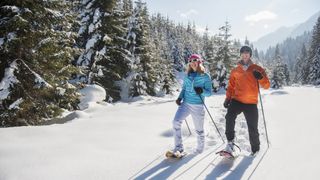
column 212, row 119
column 188, row 127
column 264, row 119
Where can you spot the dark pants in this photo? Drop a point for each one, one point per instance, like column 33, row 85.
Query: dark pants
column 250, row 112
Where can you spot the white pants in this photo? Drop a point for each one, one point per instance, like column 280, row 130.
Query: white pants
column 197, row 112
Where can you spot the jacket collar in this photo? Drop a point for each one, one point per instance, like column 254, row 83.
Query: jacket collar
column 245, row 66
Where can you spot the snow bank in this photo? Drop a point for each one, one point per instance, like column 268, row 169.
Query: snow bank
column 91, row 94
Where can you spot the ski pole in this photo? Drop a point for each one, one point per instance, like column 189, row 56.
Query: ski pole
column 211, row 118
column 188, row 127
column 264, row 119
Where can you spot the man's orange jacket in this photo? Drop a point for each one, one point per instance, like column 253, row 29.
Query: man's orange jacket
column 243, row 85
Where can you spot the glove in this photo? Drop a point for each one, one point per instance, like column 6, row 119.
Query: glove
column 178, row 101
column 257, row 75
column 226, row 103
column 198, row 90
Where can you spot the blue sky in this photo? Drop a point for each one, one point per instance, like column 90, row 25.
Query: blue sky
column 252, row 18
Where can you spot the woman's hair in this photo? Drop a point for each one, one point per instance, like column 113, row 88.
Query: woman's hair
column 200, row 69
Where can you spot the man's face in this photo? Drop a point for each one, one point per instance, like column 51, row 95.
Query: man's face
column 245, row 56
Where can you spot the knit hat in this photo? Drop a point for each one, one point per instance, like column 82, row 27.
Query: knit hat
column 195, row 58
column 246, row 49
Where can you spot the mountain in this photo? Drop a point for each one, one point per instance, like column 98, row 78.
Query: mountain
column 282, row 33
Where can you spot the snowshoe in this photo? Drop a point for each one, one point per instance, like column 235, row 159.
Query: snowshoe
column 176, row 154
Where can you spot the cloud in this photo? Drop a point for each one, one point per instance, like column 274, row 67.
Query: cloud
column 260, row 16
column 188, row 13
column 294, row 11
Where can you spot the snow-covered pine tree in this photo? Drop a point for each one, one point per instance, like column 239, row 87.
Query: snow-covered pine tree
column 116, row 66
column 301, row 67
column 91, row 39
column 208, row 49
column 165, row 69
column 36, row 51
column 225, row 57
column 246, row 41
column 314, row 56
column 280, row 74
column 104, row 60
column 144, row 75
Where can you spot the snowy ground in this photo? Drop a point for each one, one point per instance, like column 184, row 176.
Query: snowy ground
column 128, row 141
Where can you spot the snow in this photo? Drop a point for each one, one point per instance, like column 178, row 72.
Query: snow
column 81, row 30
column 44, row 41
column 96, row 15
column 61, row 91
column 1, row 41
column 91, row 28
column 40, row 81
column 12, row 8
column 92, row 41
column 89, row 5
column 128, row 141
column 11, row 36
column 27, row 10
column 102, row 51
column 54, row 13
column 91, row 94
column 106, row 38
column 8, row 80
column 15, row 105
column 100, row 73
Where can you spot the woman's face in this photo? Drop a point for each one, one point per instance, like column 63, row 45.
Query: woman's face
column 194, row 65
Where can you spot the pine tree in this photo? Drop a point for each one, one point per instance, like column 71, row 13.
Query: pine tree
column 280, row 74
column 314, row 56
column 246, row 42
column 301, row 66
column 225, row 57
column 208, row 50
column 144, row 75
column 36, row 53
column 105, row 60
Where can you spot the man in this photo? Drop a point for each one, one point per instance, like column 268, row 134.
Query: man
column 242, row 96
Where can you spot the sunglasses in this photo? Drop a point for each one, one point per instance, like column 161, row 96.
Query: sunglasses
column 192, row 60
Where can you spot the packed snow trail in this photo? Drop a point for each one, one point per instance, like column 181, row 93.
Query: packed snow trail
column 294, row 121
column 128, row 140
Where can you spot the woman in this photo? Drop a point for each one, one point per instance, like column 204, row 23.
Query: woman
column 197, row 83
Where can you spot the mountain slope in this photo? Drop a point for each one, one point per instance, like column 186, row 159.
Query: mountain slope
column 282, row 33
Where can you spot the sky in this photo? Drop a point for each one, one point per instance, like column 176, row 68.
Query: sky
column 251, row 18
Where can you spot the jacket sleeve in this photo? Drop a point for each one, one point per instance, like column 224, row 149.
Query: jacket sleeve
column 264, row 82
column 231, row 86
column 207, row 90
column 181, row 95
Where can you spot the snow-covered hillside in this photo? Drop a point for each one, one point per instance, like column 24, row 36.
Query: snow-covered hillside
column 283, row 33
column 128, row 141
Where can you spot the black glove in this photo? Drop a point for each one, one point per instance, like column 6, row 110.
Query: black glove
column 226, row 103
column 178, row 101
column 198, row 90
column 257, row 75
